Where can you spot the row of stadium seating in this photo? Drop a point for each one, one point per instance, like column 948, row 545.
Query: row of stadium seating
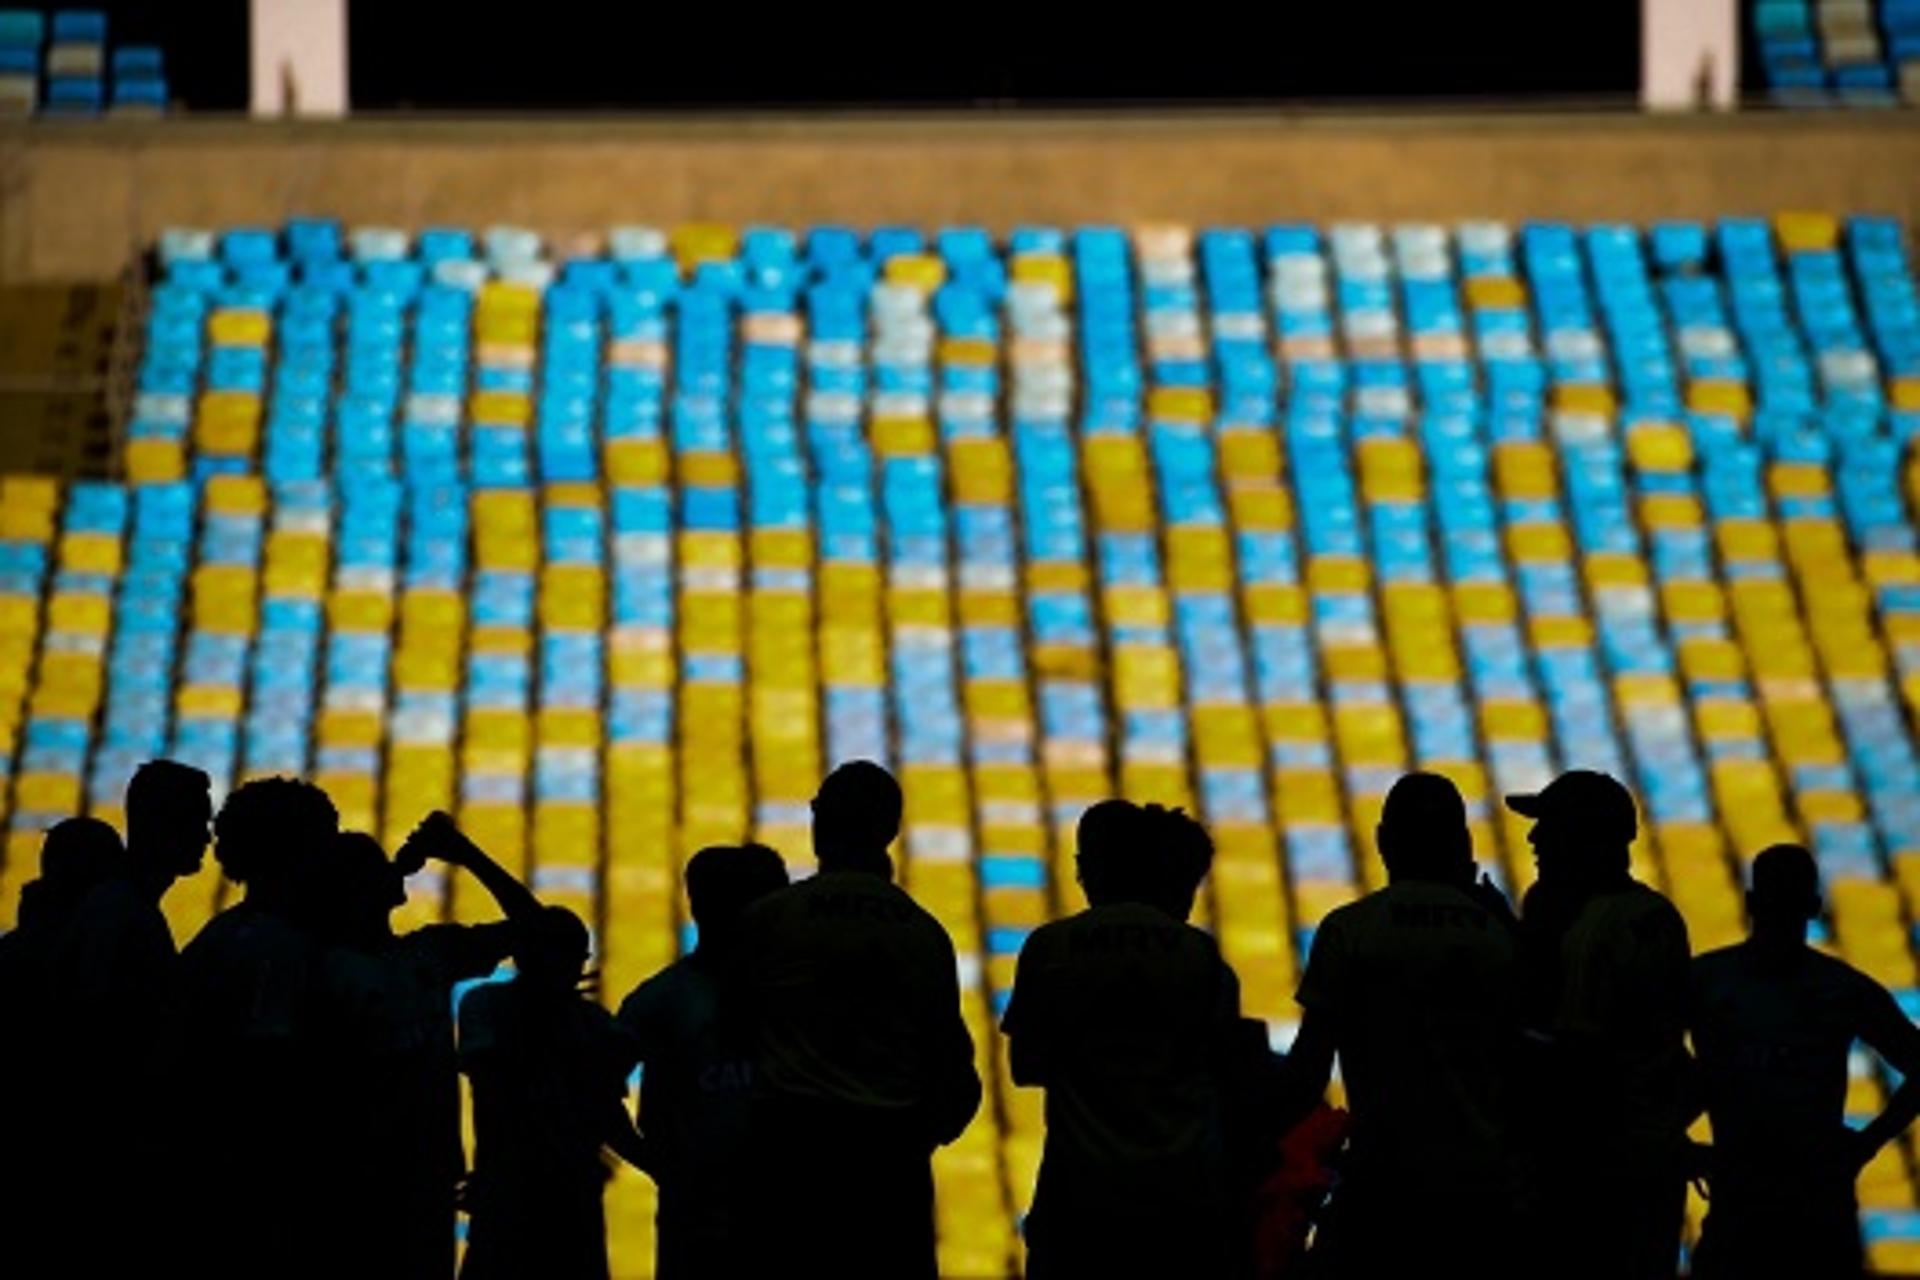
column 614, row 555
column 62, row 68
column 1853, row 52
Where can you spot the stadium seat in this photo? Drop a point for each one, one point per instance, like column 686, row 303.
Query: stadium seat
column 615, row 554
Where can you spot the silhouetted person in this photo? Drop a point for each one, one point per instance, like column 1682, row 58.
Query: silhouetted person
column 696, row 1083
column 386, row 1015
column 115, row 994
column 248, row 982
column 1773, row 1022
column 1130, row 1020
column 76, row 857
column 1414, row 988
column 863, row 1064
column 1608, row 1067
column 1178, row 854
column 39, row 1164
column 549, row 1071
column 114, row 966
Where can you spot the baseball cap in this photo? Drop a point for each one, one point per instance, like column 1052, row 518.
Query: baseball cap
column 1594, row 800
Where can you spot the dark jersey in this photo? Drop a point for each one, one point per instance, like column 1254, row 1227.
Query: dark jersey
column 1621, row 1010
column 1772, row 1042
column 1127, row 1017
column 389, row 1016
column 696, row 1087
column 854, row 992
column 1420, row 982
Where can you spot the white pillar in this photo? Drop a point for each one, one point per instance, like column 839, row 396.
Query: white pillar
column 1689, row 54
column 299, row 57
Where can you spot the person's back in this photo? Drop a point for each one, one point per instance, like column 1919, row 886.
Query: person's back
column 1126, row 1016
column 1415, row 988
column 1622, row 1002
column 247, row 981
column 1773, row 1023
column 863, row 1065
column 1608, row 1107
column 696, row 1081
column 114, row 961
column 852, row 986
column 547, row 1067
column 1422, row 981
column 116, row 997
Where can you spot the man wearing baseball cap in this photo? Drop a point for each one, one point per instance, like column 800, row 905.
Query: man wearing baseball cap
column 1415, row 987
column 1610, row 1021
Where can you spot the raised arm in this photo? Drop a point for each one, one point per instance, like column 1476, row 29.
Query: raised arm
column 438, row 837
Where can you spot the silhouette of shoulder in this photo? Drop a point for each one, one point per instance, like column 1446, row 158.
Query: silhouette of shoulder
column 1402, row 926
column 1118, row 928
column 682, row 996
column 118, row 935
column 825, row 919
column 836, row 898
column 1076, row 967
column 248, row 971
column 1818, row 986
column 1417, row 905
column 1738, row 962
column 1643, row 913
column 1627, row 956
column 452, row 952
column 493, row 1013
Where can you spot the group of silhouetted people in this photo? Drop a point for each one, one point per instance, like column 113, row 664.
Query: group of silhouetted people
column 281, row 1096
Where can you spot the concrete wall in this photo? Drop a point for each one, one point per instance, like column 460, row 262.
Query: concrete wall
column 76, row 199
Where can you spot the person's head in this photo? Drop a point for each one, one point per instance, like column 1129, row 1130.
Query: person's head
column 357, row 890
column 169, row 807
column 856, row 815
column 1583, row 829
column 1112, row 844
column 723, row 881
column 552, row 951
column 76, row 855
column 271, row 834
column 1423, row 830
column 1178, row 853
column 1784, row 894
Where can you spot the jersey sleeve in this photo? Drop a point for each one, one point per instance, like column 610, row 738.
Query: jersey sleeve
column 1026, row 1012
column 1323, row 987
